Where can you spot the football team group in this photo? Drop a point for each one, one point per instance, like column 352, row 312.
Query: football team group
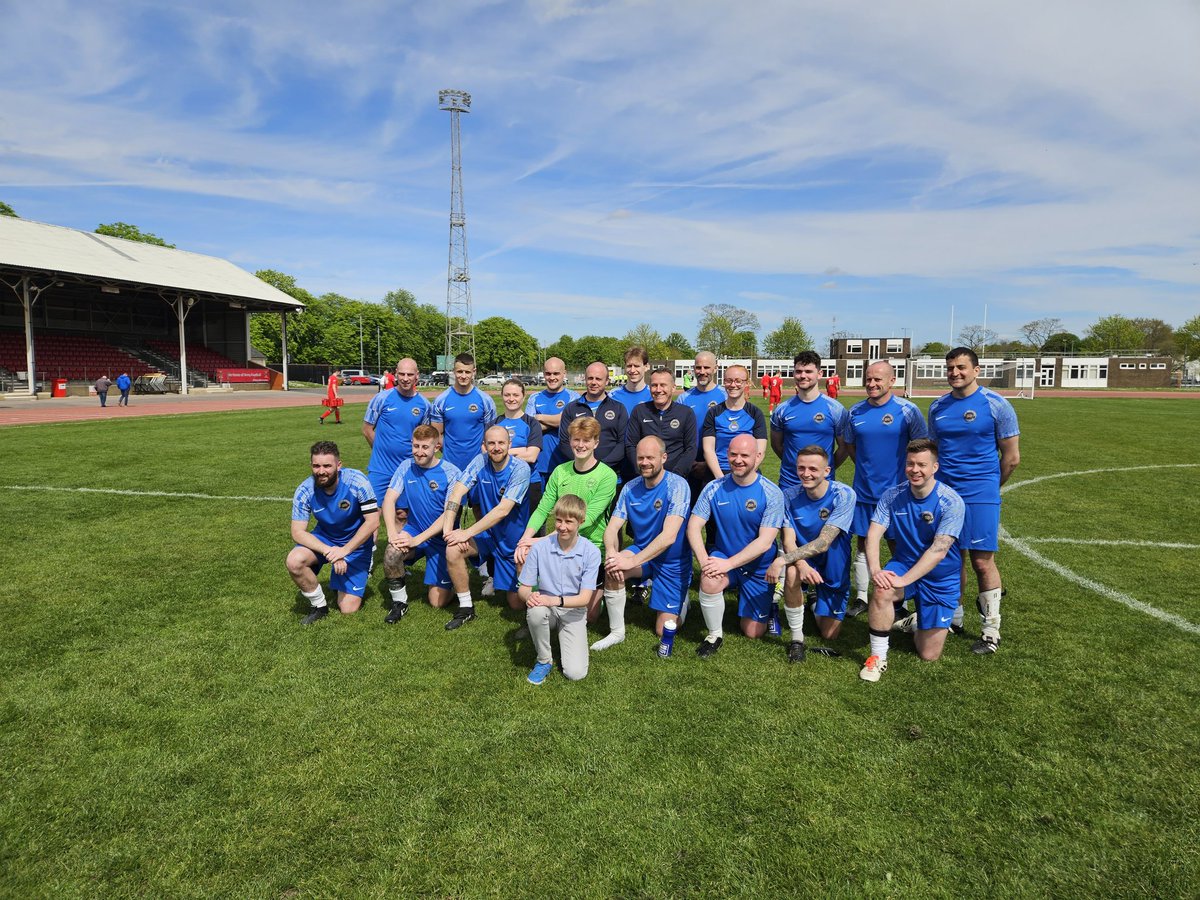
column 589, row 501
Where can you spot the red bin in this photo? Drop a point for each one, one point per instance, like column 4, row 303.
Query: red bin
column 58, row 387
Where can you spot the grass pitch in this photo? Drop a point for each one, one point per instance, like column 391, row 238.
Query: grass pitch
column 169, row 729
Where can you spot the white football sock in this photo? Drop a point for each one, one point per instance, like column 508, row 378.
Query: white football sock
column 989, row 609
column 795, row 620
column 862, row 575
column 713, row 608
column 316, row 597
column 464, row 599
column 879, row 646
column 957, row 620
column 614, row 602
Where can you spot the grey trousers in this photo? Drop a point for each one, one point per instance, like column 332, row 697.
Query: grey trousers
column 571, row 625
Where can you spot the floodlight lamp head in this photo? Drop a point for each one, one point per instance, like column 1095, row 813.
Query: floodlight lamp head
column 454, row 101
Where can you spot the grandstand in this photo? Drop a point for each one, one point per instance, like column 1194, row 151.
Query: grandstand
column 77, row 305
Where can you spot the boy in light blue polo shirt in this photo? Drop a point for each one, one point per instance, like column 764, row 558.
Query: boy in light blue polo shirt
column 556, row 583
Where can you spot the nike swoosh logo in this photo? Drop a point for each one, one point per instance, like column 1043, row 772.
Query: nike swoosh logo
column 977, row 541
column 318, row 509
column 722, row 503
column 939, row 418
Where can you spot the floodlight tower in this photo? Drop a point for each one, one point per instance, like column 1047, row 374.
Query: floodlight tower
column 460, row 323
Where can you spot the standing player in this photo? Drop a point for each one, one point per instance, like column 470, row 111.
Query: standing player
column 655, row 506
column 462, row 413
column 809, row 417
column 748, row 510
column 833, row 385
column 419, row 488
column 816, row 544
column 978, row 442
column 388, row 381
column 734, row 416
column 776, row 391
column 924, row 519
column 557, row 585
column 547, row 407
column 347, row 516
column 498, row 485
column 700, row 399
column 388, row 425
column 672, row 422
column 586, row 477
column 333, row 400
column 525, row 434
column 634, row 390
column 766, row 384
column 608, row 413
column 875, row 436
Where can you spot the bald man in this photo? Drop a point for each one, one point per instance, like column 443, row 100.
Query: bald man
column 388, row 425
column 609, row 413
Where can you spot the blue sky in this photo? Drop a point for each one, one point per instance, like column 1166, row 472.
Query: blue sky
column 866, row 166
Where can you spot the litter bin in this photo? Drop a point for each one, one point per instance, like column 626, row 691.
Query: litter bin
column 58, row 387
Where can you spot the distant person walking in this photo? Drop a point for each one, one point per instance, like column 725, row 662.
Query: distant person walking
column 124, row 382
column 102, row 386
column 332, row 398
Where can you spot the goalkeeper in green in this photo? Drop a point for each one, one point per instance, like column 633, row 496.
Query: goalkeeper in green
column 585, row 477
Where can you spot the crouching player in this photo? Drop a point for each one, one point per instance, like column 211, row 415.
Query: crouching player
column 748, row 511
column 818, row 514
column 655, row 506
column 498, row 485
column 347, row 515
column 557, row 583
column 419, row 488
column 924, row 518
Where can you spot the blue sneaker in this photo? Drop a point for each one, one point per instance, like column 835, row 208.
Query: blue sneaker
column 539, row 673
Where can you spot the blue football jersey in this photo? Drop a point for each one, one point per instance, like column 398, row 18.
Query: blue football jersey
column 968, row 432
column 725, row 424
column 394, row 417
column 464, row 419
column 544, row 403
column 913, row 523
column 880, row 435
column 423, row 492
column 487, row 487
column 806, row 517
column 339, row 513
column 525, row 431
column 629, row 399
column 801, row 423
column 740, row 510
column 647, row 508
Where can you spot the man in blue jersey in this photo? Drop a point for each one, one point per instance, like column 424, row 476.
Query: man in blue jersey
column 655, row 505
column 816, row 544
column 547, row 407
column 978, row 442
column 634, row 390
column 419, row 488
column 673, row 422
column 732, row 417
column 875, row 435
column 347, row 516
column 808, row 417
column 609, row 413
column 462, row 413
column 388, row 425
column 525, row 434
column 748, row 512
column 498, row 485
column 700, row 398
column 924, row 519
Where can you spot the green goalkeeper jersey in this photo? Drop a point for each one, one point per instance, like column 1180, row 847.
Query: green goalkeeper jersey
column 596, row 487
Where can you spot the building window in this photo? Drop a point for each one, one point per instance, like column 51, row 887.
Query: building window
column 1158, row 365
column 1128, row 366
column 828, row 371
column 854, row 371
column 931, row 370
column 853, row 347
column 895, row 346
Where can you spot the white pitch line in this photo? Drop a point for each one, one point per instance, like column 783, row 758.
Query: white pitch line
column 124, row 493
column 1022, row 547
column 1083, row 542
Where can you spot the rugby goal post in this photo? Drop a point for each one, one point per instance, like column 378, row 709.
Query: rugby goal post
column 1016, row 379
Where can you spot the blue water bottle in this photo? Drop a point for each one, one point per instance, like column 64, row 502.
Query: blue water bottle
column 668, row 640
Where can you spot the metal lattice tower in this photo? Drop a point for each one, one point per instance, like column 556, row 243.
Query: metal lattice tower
column 460, row 322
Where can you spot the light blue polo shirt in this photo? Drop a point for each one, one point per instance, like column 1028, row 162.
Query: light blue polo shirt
column 558, row 572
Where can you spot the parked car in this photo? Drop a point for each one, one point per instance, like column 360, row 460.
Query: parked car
column 491, row 381
column 440, row 379
column 358, row 376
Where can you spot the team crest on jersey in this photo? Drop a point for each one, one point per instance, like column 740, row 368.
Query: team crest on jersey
column 751, row 505
column 824, row 513
column 658, row 504
column 416, row 412
column 926, row 517
column 433, row 485
column 712, row 403
column 474, row 407
column 888, row 420
column 344, row 505
column 733, row 425
column 610, row 415
column 558, row 405
column 969, row 415
column 674, row 423
column 819, row 418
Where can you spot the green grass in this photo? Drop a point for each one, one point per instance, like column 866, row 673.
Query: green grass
column 168, row 729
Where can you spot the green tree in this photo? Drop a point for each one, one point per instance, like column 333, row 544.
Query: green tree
column 1038, row 331
column 414, row 329
column 678, row 347
column 6, row 210
column 131, row 233
column 935, row 348
column 1156, row 335
column 265, row 327
column 1187, row 339
column 564, row 349
column 501, row 345
column 646, row 336
column 592, row 348
column 727, row 330
column 1113, row 333
column 787, row 340
column 1062, row 342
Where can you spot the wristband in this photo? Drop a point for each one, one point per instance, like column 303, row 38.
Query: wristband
column 562, row 601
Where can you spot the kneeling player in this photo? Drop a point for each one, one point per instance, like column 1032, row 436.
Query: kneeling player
column 748, row 511
column 556, row 586
column 498, row 485
column 347, row 515
column 816, row 540
column 419, row 488
column 655, row 506
column 924, row 518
